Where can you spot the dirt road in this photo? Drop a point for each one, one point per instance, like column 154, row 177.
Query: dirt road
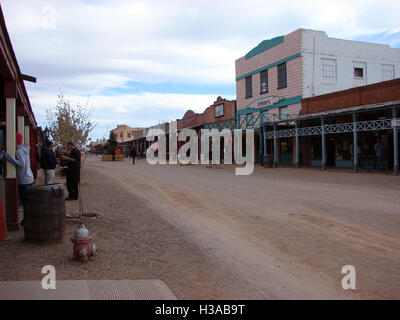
column 279, row 233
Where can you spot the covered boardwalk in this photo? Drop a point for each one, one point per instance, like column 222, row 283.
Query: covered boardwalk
column 341, row 129
column 15, row 116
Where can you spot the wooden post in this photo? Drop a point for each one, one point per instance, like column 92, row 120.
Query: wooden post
column 395, row 143
column 323, row 165
column 275, row 148
column 11, row 177
column 27, row 135
column 355, row 143
column 297, row 145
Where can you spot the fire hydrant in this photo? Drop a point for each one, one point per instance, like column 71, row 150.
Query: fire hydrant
column 83, row 246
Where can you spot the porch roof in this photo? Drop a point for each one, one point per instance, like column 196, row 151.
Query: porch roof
column 350, row 110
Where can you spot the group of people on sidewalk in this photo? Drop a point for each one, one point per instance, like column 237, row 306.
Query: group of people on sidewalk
column 48, row 163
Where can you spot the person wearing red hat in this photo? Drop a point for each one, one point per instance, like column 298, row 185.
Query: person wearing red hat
column 23, row 163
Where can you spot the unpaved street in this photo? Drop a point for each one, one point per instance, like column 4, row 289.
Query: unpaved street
column 279, row 233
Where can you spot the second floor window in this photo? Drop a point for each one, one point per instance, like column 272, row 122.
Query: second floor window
column 387, row 72
column 282, row 77
column 329, row 70
column 360, row 73
column 283, row 113
column 249, row 87
column 264, row 81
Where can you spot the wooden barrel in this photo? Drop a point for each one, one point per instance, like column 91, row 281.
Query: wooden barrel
column 44, row 214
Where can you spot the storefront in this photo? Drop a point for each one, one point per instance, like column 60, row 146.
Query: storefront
column 355, row 128
column 16, row 115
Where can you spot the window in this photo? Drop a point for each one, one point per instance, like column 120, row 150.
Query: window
column 121, row 135
column 282, row 78
column 219, row 110
column 249, row 87
column 387, row 72
column 283, row 113
column 329, row 70
column 129, row 134
column 359, row 73
column 264, row 81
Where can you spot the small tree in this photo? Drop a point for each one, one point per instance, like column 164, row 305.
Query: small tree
column 111, row 144
column 67, row 123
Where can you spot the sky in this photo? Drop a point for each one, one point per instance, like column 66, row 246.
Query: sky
column 142, row 62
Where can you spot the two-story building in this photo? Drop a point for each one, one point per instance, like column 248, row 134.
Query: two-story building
column 125, row 133
column 272, row 78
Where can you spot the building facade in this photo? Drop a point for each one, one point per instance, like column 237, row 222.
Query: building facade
column 16, row 115
column 279, row 72
column 125, row 133
column 220, row 115
column 355, row 128
column 272, row 78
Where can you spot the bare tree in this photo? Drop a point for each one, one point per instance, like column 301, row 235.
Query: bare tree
column 68, row 123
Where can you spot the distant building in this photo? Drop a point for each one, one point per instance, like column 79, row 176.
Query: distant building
column 125, row 133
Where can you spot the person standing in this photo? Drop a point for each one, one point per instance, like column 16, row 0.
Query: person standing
column 74, row 171
column 49, row 163
column 133, row 155
column 23, row 164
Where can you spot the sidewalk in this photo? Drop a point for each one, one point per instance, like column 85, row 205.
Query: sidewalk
column 87, row 290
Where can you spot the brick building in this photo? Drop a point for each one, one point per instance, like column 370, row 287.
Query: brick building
column 221, row 114
column 355, row 128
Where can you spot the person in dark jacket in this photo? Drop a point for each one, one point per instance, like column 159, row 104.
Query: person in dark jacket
column 133, row 155
column 74, row 171
column 49, row 163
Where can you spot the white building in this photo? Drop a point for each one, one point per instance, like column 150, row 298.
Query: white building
column 331, row 64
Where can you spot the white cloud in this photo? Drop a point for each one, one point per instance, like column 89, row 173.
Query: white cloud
column 100, row 44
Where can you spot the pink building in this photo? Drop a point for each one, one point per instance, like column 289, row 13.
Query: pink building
column 272, row 78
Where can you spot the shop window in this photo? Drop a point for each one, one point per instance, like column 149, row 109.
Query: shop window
column 264, row 81
column 282, row 76
column 283, row 113
column 316, row 148
column 344, row 149
column 249, row 87
column 328, row 69
column 387, row 72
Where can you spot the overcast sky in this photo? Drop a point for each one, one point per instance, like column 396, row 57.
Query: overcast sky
column 139, row 62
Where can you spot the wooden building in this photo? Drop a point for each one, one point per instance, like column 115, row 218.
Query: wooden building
column 16, row 115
